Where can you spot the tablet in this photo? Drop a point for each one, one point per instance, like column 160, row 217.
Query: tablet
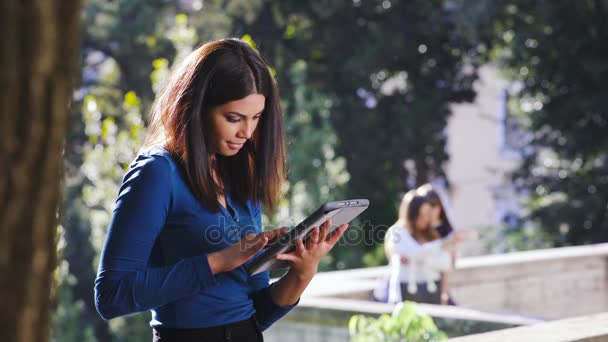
column 340, row 212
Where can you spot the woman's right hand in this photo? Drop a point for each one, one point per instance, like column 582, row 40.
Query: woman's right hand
column 234, row 256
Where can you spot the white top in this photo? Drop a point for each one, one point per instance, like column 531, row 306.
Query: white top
column 425, row 263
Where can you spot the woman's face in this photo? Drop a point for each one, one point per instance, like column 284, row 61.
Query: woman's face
column 435, row 213
column 422, row 221
column 234, row 122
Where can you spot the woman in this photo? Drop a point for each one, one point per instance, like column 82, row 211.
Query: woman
column 439, row 216
column 417, row 253
column 188, row 214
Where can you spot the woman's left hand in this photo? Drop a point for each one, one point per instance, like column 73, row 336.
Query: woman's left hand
column 304, row 260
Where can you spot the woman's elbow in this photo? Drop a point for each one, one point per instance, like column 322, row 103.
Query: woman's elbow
column 108, row 305
column 105, row 308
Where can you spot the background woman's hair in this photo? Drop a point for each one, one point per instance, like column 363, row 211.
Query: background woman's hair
column 413, row 212
column 409, row 210
column 432, row 195
column 214, row 74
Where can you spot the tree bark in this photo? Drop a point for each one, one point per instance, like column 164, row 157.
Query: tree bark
column 39, row 44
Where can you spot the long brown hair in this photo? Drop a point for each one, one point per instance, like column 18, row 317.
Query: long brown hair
column 216, row 73
column 432, row 195
column 409, row 210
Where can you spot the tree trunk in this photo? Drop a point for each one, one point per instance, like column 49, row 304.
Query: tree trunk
column 39, row 44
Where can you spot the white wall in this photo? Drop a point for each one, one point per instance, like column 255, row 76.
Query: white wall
column 478, row 163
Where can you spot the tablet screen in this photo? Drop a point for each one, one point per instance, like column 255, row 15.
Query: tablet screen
column 340, row 212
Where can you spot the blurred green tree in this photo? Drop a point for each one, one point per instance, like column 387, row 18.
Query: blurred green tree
column 389, row 69
column 554, row 52
column 356, row 111
column 121, row 48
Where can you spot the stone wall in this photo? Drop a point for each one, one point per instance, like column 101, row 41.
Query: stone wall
column 493, row 292
column 546, row 284
column 592, row 328
column 553, row 283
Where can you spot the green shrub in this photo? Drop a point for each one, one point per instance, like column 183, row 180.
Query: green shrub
column 405, row 324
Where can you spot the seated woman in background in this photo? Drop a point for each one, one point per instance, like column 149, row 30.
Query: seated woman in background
column 439, row 216
column 425, row 253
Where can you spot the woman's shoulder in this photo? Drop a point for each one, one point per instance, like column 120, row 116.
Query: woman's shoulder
column 150, row 165
column 398, row 229
column 155, row 156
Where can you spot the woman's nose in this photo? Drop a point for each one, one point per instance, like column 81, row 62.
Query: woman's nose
column 246, row 130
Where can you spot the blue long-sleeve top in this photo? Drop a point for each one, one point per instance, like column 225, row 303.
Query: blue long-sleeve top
column 155, row 254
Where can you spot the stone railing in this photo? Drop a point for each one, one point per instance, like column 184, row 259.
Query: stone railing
column 551, row 283
column 545, row 284
column 592, row 328
column 493, row 292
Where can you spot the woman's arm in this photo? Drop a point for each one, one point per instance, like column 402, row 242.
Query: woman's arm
column 272, row 302
column 125, row 284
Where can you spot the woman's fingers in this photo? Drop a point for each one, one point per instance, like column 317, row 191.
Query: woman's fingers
column 249, row 240
column 300, row 249
column 323, row 231
column 336, row 235
column 232, row 257
column 253, row 244
column 294, row 255
column 286, row 257
column 275, row 233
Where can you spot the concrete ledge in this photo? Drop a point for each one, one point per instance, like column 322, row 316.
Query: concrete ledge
column 326, row 319
column 495, row 293
column 547, row 284
column 592, row 328
column 435, row 311
column 493, row 260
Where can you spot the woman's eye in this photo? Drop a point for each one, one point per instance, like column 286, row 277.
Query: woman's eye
column 256, row 117
column 231, row 119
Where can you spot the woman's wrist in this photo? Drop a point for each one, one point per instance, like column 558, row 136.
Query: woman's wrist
column 214, row 263
column 304, row 275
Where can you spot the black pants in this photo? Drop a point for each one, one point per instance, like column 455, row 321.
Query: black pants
column 422, row 295
column 247, row 330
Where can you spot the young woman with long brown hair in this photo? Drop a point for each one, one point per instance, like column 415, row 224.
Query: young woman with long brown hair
column 416, row 253
column 188, row 214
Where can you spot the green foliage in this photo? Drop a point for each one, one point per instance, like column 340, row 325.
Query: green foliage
column 555, row 52
column 68, row 325
column 405, row 324
column 120, row 42
column 118, row 87
column 390, row 88
column 67, row 321
column 366, row 87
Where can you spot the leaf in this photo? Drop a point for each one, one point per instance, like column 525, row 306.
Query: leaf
column 247, row 38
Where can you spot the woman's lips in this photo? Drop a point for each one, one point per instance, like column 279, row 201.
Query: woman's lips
column 235, row 146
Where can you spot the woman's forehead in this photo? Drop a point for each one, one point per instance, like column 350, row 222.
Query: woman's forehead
column 249, row 105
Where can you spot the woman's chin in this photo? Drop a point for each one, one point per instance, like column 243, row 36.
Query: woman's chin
column 228, row 152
